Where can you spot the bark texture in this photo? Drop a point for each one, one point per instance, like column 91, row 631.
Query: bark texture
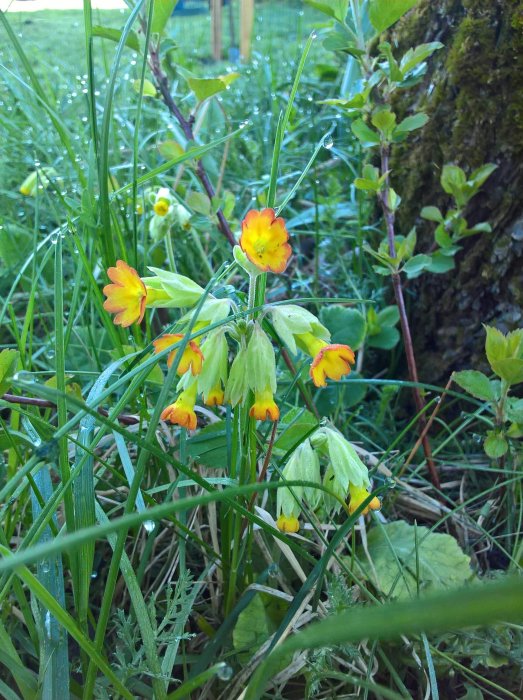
column 473, row 93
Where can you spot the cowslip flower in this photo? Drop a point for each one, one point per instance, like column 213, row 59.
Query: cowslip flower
column 127, row 296
column 213, row 376
column 302, row 465
column 215, row 397
column 264, row 239
column 329, row 360
column 192, row 356
column 359, row 494
column 287, row 524
column 181, row 412
column 264, row 406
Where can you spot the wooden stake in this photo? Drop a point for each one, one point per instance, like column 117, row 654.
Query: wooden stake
column 216, row 29
column 246, row 25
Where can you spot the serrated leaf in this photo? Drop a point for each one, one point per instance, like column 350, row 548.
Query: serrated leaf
column 495, row 345
column 333, row 8
column 365, row 134
column 475, row 383
column 163, row 9
column 431, row 214
column 415, row 56
column 383, row 13
column 392, row 549
column 8, row 366
column 495, row 445
column 416, row 121
column 510, row 369
column 347, row 326
column 115, row 34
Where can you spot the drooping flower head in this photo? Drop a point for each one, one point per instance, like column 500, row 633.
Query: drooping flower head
column 330, row 361
column 288, row 524
column 264, row 240
column 261, row 372
column 181, row 412
column 192, row 356
column 359, row 494
column 264, row 406
column 127, row 296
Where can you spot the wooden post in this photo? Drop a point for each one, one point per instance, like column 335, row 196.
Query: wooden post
column 216, row 29
column 246, row 25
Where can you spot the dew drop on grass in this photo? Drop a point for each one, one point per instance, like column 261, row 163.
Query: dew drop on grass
column 224, row 672
column 148, row 525
column 328, row 142
column 46, row 568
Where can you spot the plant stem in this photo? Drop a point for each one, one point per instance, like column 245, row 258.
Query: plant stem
column 162, row 84
column 404, row 321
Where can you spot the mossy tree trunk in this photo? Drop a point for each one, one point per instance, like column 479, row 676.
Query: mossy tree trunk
column 473, row 93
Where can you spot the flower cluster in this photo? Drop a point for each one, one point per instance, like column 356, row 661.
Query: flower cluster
column 345, row 477
column 168, row 214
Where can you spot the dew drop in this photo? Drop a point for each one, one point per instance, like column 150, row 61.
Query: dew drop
column 328, row 142
column 225, row 672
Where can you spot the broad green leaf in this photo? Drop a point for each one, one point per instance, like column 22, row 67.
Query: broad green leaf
column 115, row 34
column 481, row 174
column 386, row 339
column 204, row 88
column 8, row 366
column 510, row 369
column 389, row 316
column 476, row 383
column 171, row 149
column 453, row 179
column 415, row 56
column 514, row 409
column 334, row 8
column 149, row 89
column 495, row 345
column 415, row 266
column 383, row 13
column 347, row 394
column 495, row 444
column 442, row 236
column 392, row 549
column 482, row 227
column 440, row 263
column 347, row 326
column 384, row 120
column 252, row 628
column 362, row 183
column 431, row 214
column 199, row 202
column 163, row 9
column 416, row 121
column 365, row 134
column 296, row 424
column 209, row 446
column 395, row 74
column 339, row 42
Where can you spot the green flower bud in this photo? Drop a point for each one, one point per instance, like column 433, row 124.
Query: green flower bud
column 237, row 386
column 333, row 484
column 39, row 177
column 181, row 290
column 261, row 364
column 244, row 262
column 346, row 465
column 303, row 465
column 214, row 369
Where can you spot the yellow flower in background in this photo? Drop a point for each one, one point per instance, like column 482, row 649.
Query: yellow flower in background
column 161, row 207
column 264, row 406
column 358, row 494
column 181, row 412
column 215, row 397
column 264, row 240
column 192, row 357
column 330, row 361
column 127, row 297
column 287, row 524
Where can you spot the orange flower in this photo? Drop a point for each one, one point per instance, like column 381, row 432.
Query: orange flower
column 215, row 397
column 264, row 406
column 127, row 296
column 192, row 357
column 287, row 524
column 181, row 412
column 358, row 494
column 264, row 241
column 332, row 361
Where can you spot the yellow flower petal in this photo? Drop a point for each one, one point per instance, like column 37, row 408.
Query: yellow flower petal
column 264, row 407
column 192, row 357
column 127, row 296
column 332, row 361
column 264, row 240
column 287, row 524
column 181, row 412
column 358, row 494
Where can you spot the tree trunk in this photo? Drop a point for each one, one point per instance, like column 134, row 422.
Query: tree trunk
column 473, row 93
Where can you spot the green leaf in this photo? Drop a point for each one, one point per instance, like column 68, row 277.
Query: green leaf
column 386, row 339
column 431, row 214
column 514, row 409
column 384, row 120
column 395, row 74
column 199, row 202
column 115, row 34
column 339, row 42
column 453, row 180
column 482, row 173
column 209, row 446
column 204, row 88
column 149, row 89
column 251, row 629
column 510, row 369
column 347, row 326
column 362, row 183
column 442, row 237
column 296, row 424
column 365, row 134
column 416, row 121
column 163, row 9
column 495, row 444
column 8, row 366
column 415, row 56
column 389, row 316
column 495, row 345
column 383, row 13
column 347, row 394
column 476, row 383
column 334, row 8
column 482, row 227
column 415, row 266
column 392, row 549
column 440, row 263
column 170, row 149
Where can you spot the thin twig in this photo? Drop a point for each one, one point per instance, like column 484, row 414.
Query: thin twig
column 43, row 403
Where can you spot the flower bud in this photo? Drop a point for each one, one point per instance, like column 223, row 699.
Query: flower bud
column 290, row 320
column 302, row 465
column 237, row 387
column 214, row 371
column 181, row 290
column 346, row 465
column 261, row 364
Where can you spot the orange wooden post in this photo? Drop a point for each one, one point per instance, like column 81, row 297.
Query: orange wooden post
column 246, row 25
column 216, row 29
